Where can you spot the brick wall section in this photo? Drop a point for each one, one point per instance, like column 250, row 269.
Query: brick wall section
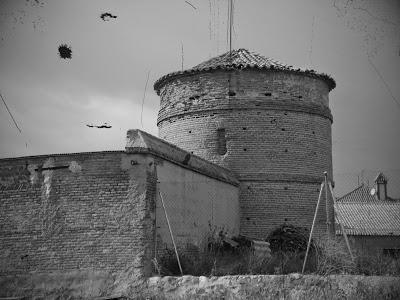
column 278, row 134
column 92, row 215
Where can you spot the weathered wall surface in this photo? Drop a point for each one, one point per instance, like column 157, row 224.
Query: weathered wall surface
column 200, row 197
column 271, row 128
column 196, row 205
column 92, row 216
column 373, row 244
column 76, row 212
column 290, row 287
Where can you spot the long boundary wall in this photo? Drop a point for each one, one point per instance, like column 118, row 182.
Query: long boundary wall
column 92, row 216
column 85, row 213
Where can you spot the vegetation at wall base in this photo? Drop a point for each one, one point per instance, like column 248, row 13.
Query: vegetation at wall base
column 326, row 257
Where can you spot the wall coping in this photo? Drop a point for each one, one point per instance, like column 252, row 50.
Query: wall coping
column 60, row 154
column 140, row 142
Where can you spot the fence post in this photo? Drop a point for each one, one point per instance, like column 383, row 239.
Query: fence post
column 330, row 218
column 170, row 232
column 340, row 223
column 312, row 227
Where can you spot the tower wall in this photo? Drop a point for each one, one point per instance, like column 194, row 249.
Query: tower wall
column 272, row 128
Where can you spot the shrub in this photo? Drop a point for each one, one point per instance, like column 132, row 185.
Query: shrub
column 288, row 238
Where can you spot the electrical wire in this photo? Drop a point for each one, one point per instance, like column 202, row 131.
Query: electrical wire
column 383, row 80
column 12, row 117
column 144, row 96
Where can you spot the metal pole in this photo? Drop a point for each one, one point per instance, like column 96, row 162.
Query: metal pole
column 155, row 231
column 230, row 26
column 330, row 219
column 170, row 232
column 312, row 227
column 340, row 223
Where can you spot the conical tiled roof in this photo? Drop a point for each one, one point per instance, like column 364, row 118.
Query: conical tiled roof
column 242, row 59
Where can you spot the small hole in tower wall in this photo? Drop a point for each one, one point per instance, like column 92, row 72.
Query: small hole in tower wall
column 268, row 94
column 244, row 128
column 231, row 93
column 300, row 97
column 190, row 131
column 221, row 141
column 283, row 129
column 244, row 149
column 285, row 188
column 286, row 150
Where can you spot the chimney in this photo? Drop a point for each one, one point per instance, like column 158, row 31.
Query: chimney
column 381, row 185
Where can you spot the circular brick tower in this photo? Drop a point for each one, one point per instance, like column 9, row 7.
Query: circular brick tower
column 268, row 123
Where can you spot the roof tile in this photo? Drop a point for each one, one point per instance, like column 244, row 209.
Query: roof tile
column 364, row 214
column 369, row 218
column 241, row 59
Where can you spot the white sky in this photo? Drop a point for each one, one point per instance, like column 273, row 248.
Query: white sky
column 53, row 99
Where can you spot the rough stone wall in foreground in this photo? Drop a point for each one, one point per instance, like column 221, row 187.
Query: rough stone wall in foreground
column 271, row 128
column 290, row 287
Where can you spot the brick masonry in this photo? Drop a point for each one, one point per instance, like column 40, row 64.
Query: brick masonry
column 85, row 211
column 96, row 216
column 277, row 135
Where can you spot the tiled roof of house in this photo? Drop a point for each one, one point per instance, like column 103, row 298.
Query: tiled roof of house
column 363, row 214
column 362, row 218
column 360, row 194
column 242, row 59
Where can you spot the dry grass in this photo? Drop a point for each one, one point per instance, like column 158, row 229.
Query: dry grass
column 326, row 257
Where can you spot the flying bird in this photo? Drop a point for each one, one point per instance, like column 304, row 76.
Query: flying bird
column 107, row 16
column 105, row 125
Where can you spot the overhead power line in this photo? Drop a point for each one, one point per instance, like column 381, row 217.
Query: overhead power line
column 12, row 117
column 194, row 7
column 383, row 80
column 144, row 96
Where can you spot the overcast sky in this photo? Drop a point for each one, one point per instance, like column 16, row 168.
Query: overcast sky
column 53, row 99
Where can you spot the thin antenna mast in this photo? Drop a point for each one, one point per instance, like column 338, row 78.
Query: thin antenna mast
column 230, row 25
column 182, row 54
